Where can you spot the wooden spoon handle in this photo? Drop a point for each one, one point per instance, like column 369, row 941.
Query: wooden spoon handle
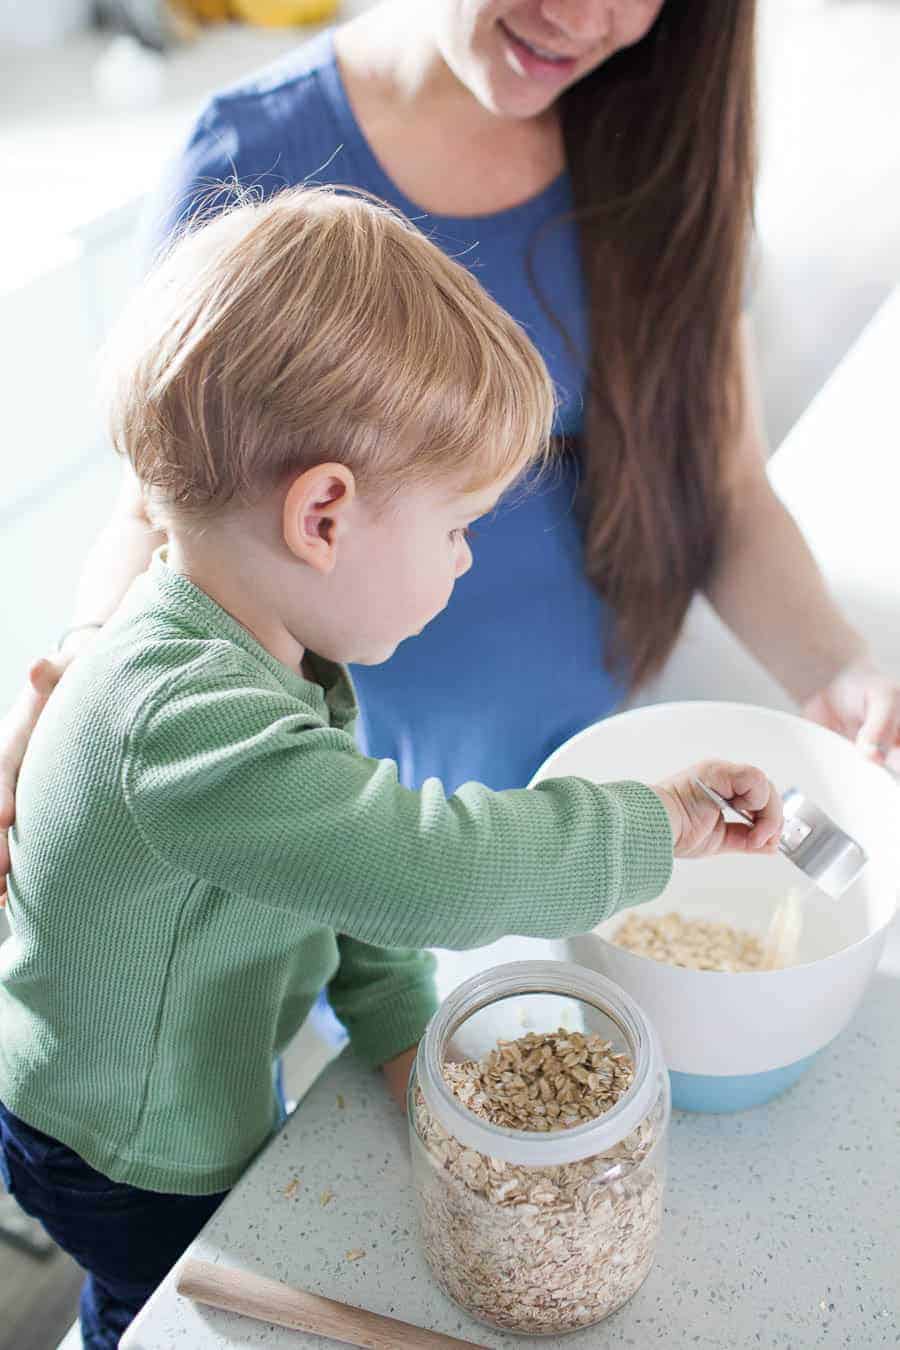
column 270, row 1301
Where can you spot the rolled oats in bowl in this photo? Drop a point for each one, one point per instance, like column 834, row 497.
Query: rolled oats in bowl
column 539, row 1160
column 695, row 944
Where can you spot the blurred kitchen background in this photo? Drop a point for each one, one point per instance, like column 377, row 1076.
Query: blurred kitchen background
column 94, row 98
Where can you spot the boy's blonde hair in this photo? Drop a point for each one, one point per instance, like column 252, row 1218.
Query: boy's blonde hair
column 318, row 326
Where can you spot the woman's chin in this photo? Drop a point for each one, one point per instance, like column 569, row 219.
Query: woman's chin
column 520, row 104
column 375, row 656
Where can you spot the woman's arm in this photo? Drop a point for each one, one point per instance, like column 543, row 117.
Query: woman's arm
column 768, row 589
column 121, row 551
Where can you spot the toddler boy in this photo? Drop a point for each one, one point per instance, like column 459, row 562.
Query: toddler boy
column 318, row 403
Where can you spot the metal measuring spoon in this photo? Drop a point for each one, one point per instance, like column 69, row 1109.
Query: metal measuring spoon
column 810, row 840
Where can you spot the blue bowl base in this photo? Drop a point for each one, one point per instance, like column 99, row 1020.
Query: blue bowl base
column 721, row 1093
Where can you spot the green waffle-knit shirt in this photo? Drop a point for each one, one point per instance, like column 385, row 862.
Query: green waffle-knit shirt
column 200, row 847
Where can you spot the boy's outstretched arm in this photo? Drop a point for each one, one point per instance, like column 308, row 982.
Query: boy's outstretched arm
column 239, row 786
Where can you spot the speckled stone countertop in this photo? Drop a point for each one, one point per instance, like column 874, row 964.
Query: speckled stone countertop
column 782, row 1225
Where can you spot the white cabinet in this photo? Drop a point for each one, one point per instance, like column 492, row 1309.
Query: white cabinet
column 52, row 322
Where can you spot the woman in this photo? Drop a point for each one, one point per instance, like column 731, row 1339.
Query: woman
column 592, row 161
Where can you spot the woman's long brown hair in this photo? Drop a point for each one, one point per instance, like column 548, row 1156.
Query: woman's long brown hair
column 660, row 143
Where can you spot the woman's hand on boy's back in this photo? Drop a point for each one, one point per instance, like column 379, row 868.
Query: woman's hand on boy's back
column 16, row 729
column 699, row 829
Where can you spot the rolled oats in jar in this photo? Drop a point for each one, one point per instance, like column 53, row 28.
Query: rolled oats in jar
column 538, row 1109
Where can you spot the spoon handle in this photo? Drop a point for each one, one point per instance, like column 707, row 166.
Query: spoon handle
column 252, row 1295
column 725, row 805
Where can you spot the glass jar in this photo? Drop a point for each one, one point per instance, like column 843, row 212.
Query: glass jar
column 549, row 1228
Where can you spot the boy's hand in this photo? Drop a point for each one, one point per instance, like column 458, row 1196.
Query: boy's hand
column 397, row 1071
column 698, row 827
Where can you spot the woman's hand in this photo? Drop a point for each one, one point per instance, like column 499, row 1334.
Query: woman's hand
column 699, row 829
column 862, row 703
column 18, row 724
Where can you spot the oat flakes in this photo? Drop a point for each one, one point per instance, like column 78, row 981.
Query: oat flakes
column 540, row 1249
column 697, row 944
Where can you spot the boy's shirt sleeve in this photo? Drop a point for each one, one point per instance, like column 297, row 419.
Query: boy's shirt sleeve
column 384, row 996
column 243, row 787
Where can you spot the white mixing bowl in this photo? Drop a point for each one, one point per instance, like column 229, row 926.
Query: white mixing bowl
column 735, row 1040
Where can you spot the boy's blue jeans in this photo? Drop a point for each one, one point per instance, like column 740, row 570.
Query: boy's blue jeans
column 126, row 1239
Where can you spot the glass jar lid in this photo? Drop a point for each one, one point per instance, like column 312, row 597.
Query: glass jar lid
column 539, row 996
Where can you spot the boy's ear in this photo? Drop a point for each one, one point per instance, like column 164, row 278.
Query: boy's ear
column 314, row 513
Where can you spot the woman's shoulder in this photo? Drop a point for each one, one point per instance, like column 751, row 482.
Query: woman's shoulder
column 270, row 130
column 284, row 112
column 294, row 79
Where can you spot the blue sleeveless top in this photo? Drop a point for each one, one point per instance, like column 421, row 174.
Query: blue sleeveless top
column 515, row 664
